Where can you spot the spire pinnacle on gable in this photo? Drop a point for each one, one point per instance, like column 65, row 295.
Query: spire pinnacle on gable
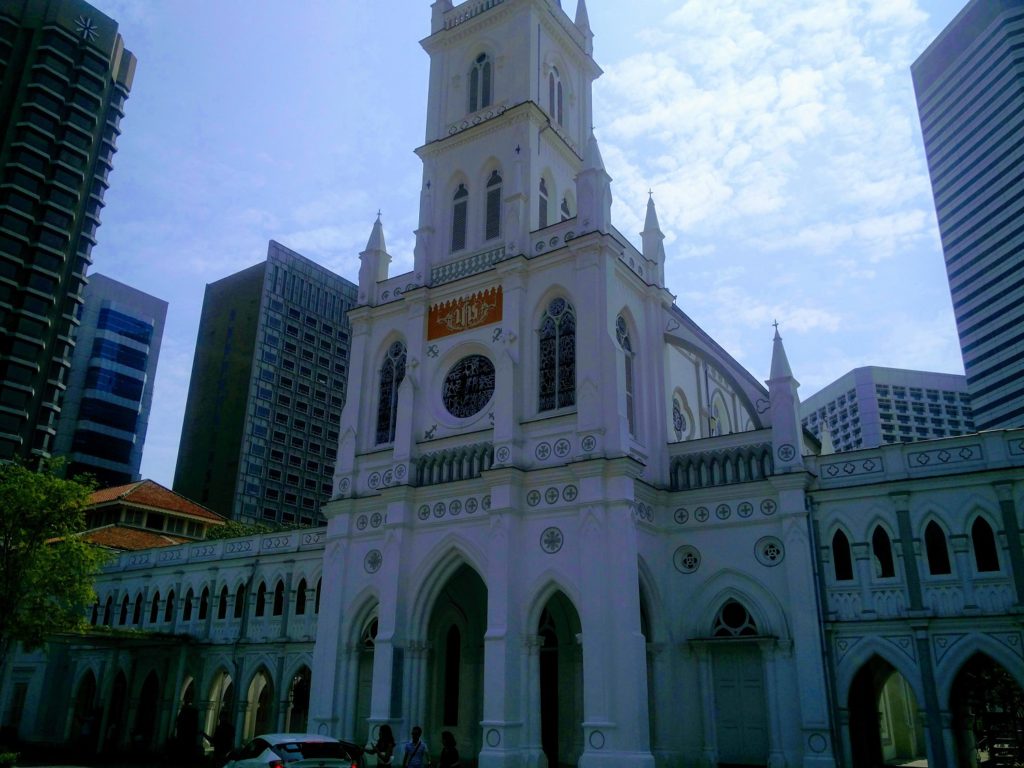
column 374, row 262
column 592, row 160
column 654, row 241
column 376, row 241
column 583, row 24
column 594, row 190
column 780, row 363
column 651, row 221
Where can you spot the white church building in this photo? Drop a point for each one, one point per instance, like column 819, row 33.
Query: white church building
column 568, row 527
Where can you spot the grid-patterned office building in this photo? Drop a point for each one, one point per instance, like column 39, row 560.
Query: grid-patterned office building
column 268, row 384
column 105, row 415
column 64, row 78
column 970, row 96
column 870, row 406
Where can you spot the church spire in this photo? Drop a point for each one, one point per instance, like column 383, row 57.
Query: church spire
column 653, row 241
column 780, row 363
column 583, row 24
column 787, row 430
column 594, row 190
column 373, row 267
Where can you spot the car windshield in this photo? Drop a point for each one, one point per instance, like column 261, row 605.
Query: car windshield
column 302, row 750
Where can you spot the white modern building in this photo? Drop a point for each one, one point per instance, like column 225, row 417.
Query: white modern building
column 566, row 525
column 872, row 406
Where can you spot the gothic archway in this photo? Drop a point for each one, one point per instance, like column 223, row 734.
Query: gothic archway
column 987, row 706
column 297, row 716
column 259, row 712
column 886, row 727
column 144, row 729
column 84, row 717
column 458, row 620
column 561, row 682
column 114, row 737
column 222, row 701
column 364, row 679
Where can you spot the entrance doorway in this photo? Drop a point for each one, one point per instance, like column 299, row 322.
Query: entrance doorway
column 988, row 715
column 741, row 717
column 561, row 682
column 259, row 715
column 886, row 727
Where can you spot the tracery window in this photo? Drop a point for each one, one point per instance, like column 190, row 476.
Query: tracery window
column 734, row 620
column 680, row 423
column 492, row 224
column 557, row 356
column 842, row 562
column 986, row 556
column 935, row 547
column 392, row 373
column 565, row 209
column 555, row 95
column 622, row 332
column 480, row 85
column 542, row 205
column 460, row 213
column 881, row 549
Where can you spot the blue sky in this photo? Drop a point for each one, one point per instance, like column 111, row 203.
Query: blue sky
column 780, row 138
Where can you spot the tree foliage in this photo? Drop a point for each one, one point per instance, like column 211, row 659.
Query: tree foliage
column 46, row 570
column 233, row 529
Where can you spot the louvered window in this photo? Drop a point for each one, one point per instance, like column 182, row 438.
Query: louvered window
column 492, row 227
column 460, row 211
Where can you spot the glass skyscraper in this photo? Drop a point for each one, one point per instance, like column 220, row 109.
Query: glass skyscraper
column 970, row 97
column 64, row 78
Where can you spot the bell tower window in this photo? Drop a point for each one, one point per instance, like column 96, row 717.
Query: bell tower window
column 622, row 333
column 542, row 205
column 480, row 83
column 392, row 373
column 557, row 363
column 460, row 211
column 492, row 226
column 565, row 209
column 555, row 95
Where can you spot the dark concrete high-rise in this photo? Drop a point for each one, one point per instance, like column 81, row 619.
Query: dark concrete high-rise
column 970, row 97
column 260, row 434
column 64, row 78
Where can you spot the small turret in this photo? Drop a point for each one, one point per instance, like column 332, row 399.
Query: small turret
column 594, row 191
column 437, row 12
column 583, row 24
column 654, row 241
column 374, row 262
column 787, row 431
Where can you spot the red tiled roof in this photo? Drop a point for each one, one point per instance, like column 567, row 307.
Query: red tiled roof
column 147, row 493
column 121, row 538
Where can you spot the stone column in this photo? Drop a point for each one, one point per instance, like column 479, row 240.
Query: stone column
column 530, row 744
column 862, row 563
column 1013, row 543
column 911, row 566
column 937, row 756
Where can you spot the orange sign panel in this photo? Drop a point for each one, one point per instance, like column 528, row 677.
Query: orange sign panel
column 464, row 314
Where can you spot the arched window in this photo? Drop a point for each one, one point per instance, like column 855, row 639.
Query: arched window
column 186, row 613
column 555, row 95
column 480, row 85
column 261, row 599
column 938, row 553
column 881, row 549
column 557, row 356
column 452, row 666
column 734, row 620
column 204, row 604
column 154, row 608
column 279, row 598
column 492, row 224
column 680, row 417
column 721, row 424
column 392, row 373
column 841, row 560
column 460, row 217
column 169, row 607
column 95, row 613
column 240, row 601
column 300, row 599
column 222, row 604
column 316, row 602
column 137, row 613
column 622, row 332
column 986, row 556
column 542, row 205
column 122, row 617
column 108, row 611
column 565, row 209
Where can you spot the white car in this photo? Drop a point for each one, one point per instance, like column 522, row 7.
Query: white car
column 296, row 750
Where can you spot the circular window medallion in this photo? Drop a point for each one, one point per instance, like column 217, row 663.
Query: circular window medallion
column 723, row 511
column 769, row 551
column 361, row 522
column 373, row 560
column 686, row 559
column 468, row 387
column 787, row 452
column 589, row 443
column 424, row 512
column 681, row 516
column 551, row 540
column 455, row 507
column 533, row 498
column 376, row 519
column 439, row 509
column 562, row 448
column 746, row 509
column 471, row 505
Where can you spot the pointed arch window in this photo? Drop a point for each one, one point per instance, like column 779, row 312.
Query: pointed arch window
column 542, row 204
column 622, row 332
column 300, row 599
column 557, row 356
column 936, row 549
column 564, row 209
column 122, row 618
column 881, row 549
column 204, row 604
column 154, row 609
column 555, row 95
column 137, row 613
column 842, row 562
column 460, row 217
column 108, row 609
column 222, row 605
column 186, row 613
column 392, row 373
column 239, row 601
column 261, row 599
column 169, row 606
column 279, row 598
column 986, row 555
column 480, row 84
column 492, row 225
column 734, row 620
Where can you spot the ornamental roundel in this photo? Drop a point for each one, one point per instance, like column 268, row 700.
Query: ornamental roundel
column 439, row 509
column 769, row 551
column 723, row 511
column 746, row 509
column 361, row 522
column 468, row 387
column 542, row 451
column 681, row 516
column 768, row 507
column 562, row 448
column 589, row 443
column 569, row 493
column 502, row 454
column 787, row 452
column 701, row 514
column 376, row 519
column 424, row 512
column 471, row 505
column 551, row 495
column 551, row 540
column 374, row 480
column 373, row 561
column 533, row 498
column 686, row 559
column 455, row 507
column 486, row 503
